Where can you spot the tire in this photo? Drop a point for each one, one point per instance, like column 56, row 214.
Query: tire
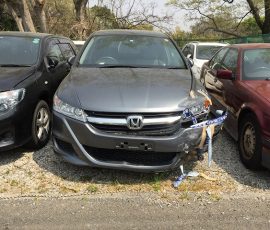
column 41, row 126
column 249, row 143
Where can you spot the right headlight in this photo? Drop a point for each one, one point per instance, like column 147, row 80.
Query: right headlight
column 9, row 99
column 68, row 110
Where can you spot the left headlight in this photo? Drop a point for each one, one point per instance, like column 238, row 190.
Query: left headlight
column 197, row 109
column 68, row 110
column 9, row 99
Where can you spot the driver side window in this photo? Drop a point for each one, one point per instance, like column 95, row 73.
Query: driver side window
column 216, row 61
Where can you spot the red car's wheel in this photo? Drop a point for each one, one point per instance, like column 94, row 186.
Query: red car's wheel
column 250, row 146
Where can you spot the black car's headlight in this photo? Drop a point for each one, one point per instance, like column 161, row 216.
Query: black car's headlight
column 68, row 110
column 9, row 99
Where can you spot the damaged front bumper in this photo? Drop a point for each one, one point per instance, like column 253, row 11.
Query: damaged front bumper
column 82, row 144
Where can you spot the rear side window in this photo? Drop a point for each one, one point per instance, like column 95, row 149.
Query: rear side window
column 67, row 50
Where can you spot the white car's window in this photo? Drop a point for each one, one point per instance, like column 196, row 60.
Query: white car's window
column 206, row 52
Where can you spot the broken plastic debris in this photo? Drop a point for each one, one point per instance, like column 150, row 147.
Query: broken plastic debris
column 207, row 177
column 193, row 174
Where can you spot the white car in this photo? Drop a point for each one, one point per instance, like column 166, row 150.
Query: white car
column 199, row 53
column 79, row 44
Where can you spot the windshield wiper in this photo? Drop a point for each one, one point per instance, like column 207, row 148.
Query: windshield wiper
column 13, row 65
column 119, row 66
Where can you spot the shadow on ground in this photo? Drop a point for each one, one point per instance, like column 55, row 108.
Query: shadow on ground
column 11, row 156
column 53, row 163
column 226, row 156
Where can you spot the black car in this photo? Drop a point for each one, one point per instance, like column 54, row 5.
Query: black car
column 32, row 65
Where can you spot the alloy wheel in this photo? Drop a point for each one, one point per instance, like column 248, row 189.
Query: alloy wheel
column 42, row 124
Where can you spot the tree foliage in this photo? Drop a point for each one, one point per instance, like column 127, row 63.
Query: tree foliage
column 227, row 17
column 75, row 19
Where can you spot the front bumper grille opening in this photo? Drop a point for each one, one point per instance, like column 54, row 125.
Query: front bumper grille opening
column 131, row 157
column 150, row 130
column 65, row 146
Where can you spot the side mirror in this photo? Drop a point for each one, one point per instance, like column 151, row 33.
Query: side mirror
column 52, row 62
column 71, row 60
column 224, row 74
column 190, row 62
column 189, row 56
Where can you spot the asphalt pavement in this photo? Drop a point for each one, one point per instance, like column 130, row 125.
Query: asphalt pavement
column 133, row 212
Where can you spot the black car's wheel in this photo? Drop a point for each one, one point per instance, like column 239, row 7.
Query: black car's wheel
column 250, row 146
column 41, row 125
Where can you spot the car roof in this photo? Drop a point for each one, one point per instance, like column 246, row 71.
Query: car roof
column 251, row 45
column 209, row 43
column 24, row 34
column 130, row 32
column 29, row 34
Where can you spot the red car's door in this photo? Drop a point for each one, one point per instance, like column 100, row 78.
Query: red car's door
column 229, row 98
column 209, row 73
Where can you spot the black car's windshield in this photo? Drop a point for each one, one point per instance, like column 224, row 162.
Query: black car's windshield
column 131, row 51
column 18, row 51
column 206, row 52
column 256, row 64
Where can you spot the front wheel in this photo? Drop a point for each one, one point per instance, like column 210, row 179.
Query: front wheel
column 41, row 125
column 250, row 146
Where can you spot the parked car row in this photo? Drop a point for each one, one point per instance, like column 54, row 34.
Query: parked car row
column 121, row 106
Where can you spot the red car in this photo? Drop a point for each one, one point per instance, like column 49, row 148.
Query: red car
column 238, row 79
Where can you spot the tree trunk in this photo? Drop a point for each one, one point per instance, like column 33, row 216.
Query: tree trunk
column 26, row 16
column 266, row 23
column 40, row 15
column 17, row 19
column 80, row 8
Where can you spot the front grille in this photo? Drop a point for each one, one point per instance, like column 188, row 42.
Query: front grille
column 147, row 130
column 131, row 157
column 151, row 130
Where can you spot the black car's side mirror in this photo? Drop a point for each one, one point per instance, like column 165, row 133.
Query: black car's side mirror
column 52, row 62
column 71, row 60
column 224, row 74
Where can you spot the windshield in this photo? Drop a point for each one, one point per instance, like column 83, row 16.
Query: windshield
column 21, row 51
column 257, row 64
column 131, row 51
column 206, row 52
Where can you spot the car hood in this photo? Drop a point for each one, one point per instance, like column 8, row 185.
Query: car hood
column 11, row 76
column 128, row 89
column 260, row 87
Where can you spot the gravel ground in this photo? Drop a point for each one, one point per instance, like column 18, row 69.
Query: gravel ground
column 44, row 174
